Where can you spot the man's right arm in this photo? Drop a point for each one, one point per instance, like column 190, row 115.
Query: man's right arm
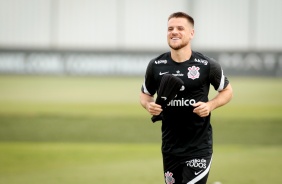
column 149, row 104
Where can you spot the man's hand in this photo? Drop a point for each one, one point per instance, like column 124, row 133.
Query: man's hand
column 153, row 108
column 148, row 103
column 222, row 98
column 202, row 109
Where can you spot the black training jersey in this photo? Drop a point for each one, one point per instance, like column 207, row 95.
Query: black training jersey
column 184, row 133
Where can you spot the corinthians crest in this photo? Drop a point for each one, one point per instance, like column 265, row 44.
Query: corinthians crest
column 193, row 72
column 168, row 178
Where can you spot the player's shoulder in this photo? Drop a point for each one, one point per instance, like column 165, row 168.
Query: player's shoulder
column 161, row 59
column 206, row 60
column 202, row 58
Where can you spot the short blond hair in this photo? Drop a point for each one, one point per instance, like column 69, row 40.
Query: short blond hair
column 182, row 15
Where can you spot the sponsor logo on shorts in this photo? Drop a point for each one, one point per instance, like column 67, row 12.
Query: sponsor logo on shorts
column 168, row 178
column 197, row 163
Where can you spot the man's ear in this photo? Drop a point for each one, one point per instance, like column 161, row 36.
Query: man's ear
column 192, row 33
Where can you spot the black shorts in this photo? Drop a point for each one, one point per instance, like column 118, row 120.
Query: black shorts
column 178, row 170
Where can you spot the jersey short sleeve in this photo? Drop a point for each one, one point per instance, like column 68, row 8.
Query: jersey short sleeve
column 216, row 76
column 149, row 84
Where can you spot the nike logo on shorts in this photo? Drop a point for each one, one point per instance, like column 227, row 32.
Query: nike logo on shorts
column 196, row 173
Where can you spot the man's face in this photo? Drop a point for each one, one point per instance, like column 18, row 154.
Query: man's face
column 179, row 33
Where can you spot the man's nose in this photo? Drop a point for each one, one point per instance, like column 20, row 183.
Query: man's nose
column 174, row 32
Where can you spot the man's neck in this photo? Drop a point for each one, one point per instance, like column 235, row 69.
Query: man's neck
column 181, row 55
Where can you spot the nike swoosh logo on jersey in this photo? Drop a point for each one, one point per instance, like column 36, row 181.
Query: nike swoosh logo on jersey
column 196, row 173
column 162, row 73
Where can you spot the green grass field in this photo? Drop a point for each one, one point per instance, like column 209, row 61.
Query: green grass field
column 69, row 130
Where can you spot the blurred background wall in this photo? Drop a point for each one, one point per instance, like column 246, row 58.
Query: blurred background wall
column 119, row 37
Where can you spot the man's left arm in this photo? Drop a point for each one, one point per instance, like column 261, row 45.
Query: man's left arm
column 223, row 97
